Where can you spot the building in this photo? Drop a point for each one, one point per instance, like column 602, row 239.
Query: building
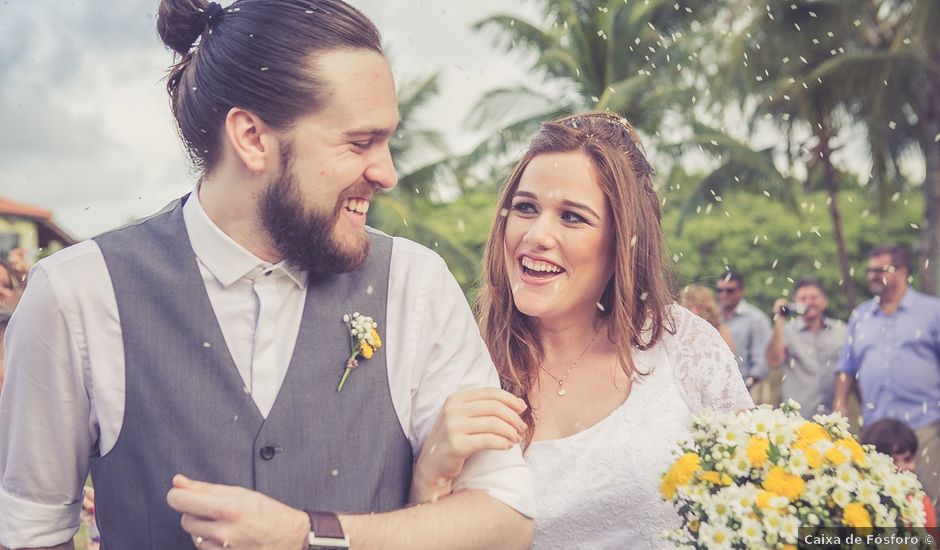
column 31, row 228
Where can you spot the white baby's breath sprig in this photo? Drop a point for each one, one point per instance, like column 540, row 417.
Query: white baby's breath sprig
column 364, row 340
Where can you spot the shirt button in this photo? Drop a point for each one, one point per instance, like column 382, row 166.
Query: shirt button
column 268, row 452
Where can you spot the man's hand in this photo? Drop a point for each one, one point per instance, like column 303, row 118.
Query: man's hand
column 776, row 310
column 223, row 516
column 776, row 351
column 19, row 261
column 844, row 386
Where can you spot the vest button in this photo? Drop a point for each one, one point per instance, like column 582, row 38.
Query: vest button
column 268, row 452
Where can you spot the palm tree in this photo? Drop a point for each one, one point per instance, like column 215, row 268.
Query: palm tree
column 878, row 61
column 895, row 69
column 740, row 167
column 887, row 75
column 625, row 57
column 414, row 209
column 780, row 58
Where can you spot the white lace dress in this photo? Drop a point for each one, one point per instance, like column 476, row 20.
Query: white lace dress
column 599, row 488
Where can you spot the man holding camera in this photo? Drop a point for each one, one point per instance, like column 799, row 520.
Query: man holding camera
column 808, row 343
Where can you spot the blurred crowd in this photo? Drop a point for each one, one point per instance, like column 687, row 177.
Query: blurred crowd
column 886, row 356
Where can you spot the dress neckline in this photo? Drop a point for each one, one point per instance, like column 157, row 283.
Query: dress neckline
column 643, row 382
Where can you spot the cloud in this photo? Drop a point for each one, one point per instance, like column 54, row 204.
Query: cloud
column 87, row 127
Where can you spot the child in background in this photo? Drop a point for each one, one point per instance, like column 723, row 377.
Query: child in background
column 897, row 439
column 88, row 520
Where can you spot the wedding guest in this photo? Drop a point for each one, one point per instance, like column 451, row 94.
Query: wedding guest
column 11, row 290
column 898, row 440
column 807, row 344
column 20, row 262
column 210, row 339
column 892, row 357
column 700, row 300
column 750, row 329
column 577, row 314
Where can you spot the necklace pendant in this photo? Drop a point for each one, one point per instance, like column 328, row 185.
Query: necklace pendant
column 562, row 391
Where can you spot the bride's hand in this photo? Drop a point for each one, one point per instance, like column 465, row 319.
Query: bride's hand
column 470, row 421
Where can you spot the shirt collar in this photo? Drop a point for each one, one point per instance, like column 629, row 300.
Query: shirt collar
column 225, row 259
column 908, row 299
column 906, row 302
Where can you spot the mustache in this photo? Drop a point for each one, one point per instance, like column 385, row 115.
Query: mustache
column 366, row 190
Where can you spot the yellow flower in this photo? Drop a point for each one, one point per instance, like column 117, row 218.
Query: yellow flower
column 757, row 449
column 363, row 339
column 780, row 482
column 813, row 457
column 811, row 432
column 856, row 450
column 763, row 500
column 679, row 474
column 668, row 488
column 835, row 455
column 715, row 478
column 855, row 515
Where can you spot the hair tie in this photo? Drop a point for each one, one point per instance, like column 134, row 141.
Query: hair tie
column 209, row 17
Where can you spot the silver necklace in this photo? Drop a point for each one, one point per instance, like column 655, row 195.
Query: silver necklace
column 561, row 381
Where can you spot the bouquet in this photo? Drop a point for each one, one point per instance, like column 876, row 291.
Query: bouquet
column 752, row 480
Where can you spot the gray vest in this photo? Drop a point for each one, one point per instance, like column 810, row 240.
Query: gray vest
column 186, row 409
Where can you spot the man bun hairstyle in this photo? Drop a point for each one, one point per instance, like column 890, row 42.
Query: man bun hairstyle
column 179, row 23
column 253, row 54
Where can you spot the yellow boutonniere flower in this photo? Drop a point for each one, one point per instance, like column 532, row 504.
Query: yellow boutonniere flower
column 364, row 339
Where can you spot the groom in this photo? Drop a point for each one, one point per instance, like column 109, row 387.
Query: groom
column 209, row 339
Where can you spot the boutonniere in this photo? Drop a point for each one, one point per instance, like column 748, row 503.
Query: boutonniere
column 364, row 340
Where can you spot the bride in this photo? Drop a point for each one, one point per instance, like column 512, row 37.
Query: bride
column 577, row 315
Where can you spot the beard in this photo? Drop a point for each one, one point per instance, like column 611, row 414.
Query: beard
column 307, row 239
column 878, row 287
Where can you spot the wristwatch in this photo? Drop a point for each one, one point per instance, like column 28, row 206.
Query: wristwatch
column 326, row 532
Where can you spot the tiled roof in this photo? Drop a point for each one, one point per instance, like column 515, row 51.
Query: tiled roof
column 26, row 210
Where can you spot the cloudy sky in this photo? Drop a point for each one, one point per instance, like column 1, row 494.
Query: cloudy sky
column 87, row 129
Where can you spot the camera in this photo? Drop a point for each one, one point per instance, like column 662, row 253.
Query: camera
column 792, row 310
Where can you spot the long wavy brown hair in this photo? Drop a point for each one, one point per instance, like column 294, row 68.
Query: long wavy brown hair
column 634, row 302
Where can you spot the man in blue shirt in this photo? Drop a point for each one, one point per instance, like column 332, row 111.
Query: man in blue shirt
column 892, row 358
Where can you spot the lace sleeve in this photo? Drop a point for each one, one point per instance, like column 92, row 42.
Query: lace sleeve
column 704, row 368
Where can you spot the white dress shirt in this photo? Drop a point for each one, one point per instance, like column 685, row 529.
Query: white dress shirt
column 63, row 398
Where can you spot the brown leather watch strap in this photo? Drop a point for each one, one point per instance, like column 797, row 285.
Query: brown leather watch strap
column 326, row 525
